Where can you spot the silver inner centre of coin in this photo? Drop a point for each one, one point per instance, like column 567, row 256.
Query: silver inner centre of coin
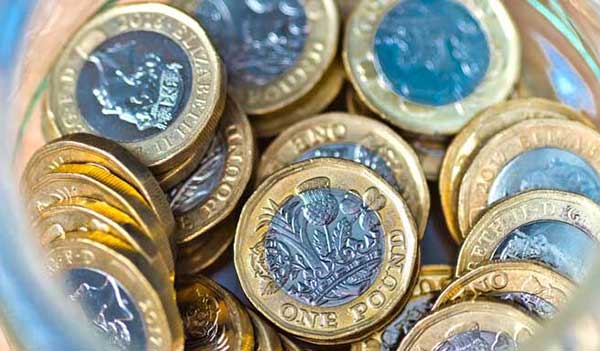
column 415, row 310
column 259, row 40
column 562, row 246
column 201, row 325
column 353, row 152
column 478, row 340
column 533, row 304
column 201, row 184
column 108, row 306
column 325, row 246
column 546, row 168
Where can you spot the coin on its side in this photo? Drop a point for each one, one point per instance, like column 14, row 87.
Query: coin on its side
column 534, row 154
column 123, row 297
column 161, row 103
column 57, row 188
column 471, row 139
column 315, row 101
column 213, row 319
column 470, row 326
column 87, row 148
column 535, row 287
column 559, row 229
column 431, row 89
column 275, row 52
column 212, row 192
column 359, row 139
column 265, row 337
column 432, row 279
column 326, row 249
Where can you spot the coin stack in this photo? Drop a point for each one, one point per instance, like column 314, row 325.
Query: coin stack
column 153, row 174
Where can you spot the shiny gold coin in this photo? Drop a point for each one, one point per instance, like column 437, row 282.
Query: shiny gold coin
column 559, row 229
column 50, row 129
column 213, row 319
column 398, row 76
column 55, row 188
column 359, row 139
column 326, row 249
column 533, row 154
column 141, row 301
column 346, row 7
column 87, row 148
column 169, row 179
column 265, row 337
column 288, row 345
column 212, row 192
column 163, row 107
column 539, row 290
column 432, row 279
column 315, row 101
column 354, row 105
column 477, row 133
column 471, row 325
column 83, row 214
column 195, row 256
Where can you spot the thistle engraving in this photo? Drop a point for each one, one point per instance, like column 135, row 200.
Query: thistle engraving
column 323, row 246
column 478, row 340
column 201, row 324
column 198, row 187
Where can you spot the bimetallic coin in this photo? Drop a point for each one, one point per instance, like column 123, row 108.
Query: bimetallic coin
column 432, row 280
column 536, row 288
column 275, row 51
column 169, row 179
column 534, row 154
column 471, row 326
column 87, row 148
column 56, row 188
column 429, row 66
column 315, row 101
column 126, row 300
column 357, row 139
column 326, row 249
column 477, row 133
column 213, row 319
column 555, row 228
column 195, row 256
column 265, row 337
column 143, row 75
column 211, row 193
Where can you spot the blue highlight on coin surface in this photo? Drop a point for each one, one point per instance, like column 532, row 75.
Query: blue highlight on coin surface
column 259, row 40
column 431, row 52
column 546, row 168
column 134, row 85
column 108, row 307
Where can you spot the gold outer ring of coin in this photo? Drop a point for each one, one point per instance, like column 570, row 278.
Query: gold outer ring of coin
column 338, row 127
column 206, row 308
column 76, row 214
column 87, row 148
column 508, row 277
column 347, row 321
column 432, row 279
column 145, row 286
column 463, row 317
column 288, row 344
column 237, row 170
column 179, row 173
column 265, row 337
column 54, row 188
column 50, row 129
column 505, row 146
column 315, row 101
column 195, row 125
column 531, row 206
column 496, row 86
column 479, row 131
column 346, row 7
column 195, row 256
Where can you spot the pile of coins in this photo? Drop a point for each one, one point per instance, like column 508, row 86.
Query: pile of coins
column 152, row 172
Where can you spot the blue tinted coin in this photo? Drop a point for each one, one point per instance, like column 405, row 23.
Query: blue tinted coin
column 431, row 52
column 134, row 85
column 108, row 306
column 546, row 168
column 259, row 40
